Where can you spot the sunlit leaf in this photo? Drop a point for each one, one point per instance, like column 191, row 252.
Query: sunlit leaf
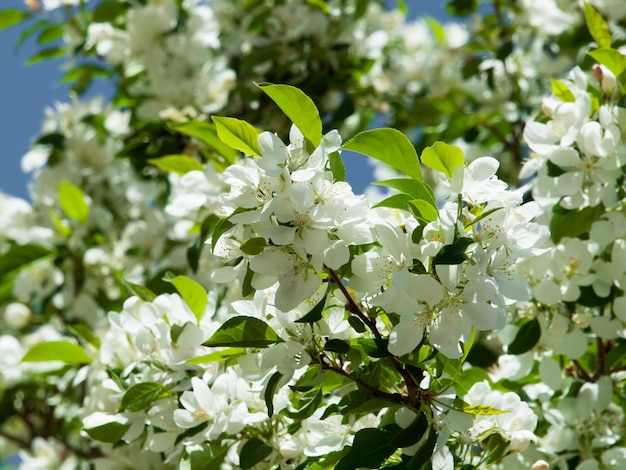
column 141, row 396
column 237, row 134
column 180, row 164
column 298, row 107
column 443, row 157
column 597, row 27
column 72, row 201
column 389, row 146
column 245, row 332
column 63, row 351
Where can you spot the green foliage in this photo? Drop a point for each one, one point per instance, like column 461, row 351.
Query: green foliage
column 207, row 133
column 11, row 17
column 389, row 146
column 237, row 134
column 461, row 7
column 443, row 157
column 244, row 332
column 253, row 452
column 218, row 356
column 298, row 107
column 597, row 27
column 453, row 253
column 612, row 59
column 526, row 338
column 180, row 164
column 253, row 246
column 141, row 396
column 73, row 202
column 192, row 292
column 562, row 91
column 573, row 223
column 270, row 390
column 315, row 314
column 46, row 54
column 370, row 449
column 142, row 292
column 63, row 351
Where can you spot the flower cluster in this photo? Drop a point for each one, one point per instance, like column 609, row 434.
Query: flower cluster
column 185, row 290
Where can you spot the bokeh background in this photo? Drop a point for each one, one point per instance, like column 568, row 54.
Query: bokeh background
column 26, row 90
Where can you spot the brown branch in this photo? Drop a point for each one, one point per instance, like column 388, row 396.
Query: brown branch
column 22, row 443
column 397, row 397
column 413, row 390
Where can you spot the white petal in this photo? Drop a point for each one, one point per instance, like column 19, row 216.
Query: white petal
column 406, row 335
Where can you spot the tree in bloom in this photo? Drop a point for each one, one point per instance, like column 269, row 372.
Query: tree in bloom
column 196, row 284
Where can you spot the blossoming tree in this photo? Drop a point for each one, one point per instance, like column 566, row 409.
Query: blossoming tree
column 195, row 285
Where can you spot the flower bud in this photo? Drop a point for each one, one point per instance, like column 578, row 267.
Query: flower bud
column 17, row 315
column 540, row 465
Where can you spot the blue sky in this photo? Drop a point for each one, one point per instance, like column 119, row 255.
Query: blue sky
column 25, row 91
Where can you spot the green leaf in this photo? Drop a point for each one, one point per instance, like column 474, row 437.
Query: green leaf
column 562, row 91
column 424, row 453
column 389, row 146
column 443, row 157
column 270, row 391
column 597, row 27
column 84, row 332
column 218, row 356
column 237, row 134
column 483, row 410
column 50, row 34
column 321, row 4
column 21, row 256
column 207, row 133
column 194, row 250
column 61, row 226
column 253, row 246
column 46, row 54
column 72, row 201
column 28, row 32
column 461, row 7
column 453, row 253
column 338, row 346
column 253, row 452
column 612, row 59
column 141, row 396
column 424, row 210
column 436, row 27
column 82, row 71
column 315, row 314
column 526, row 338
column 412, row 434
column 307, row 405
column 110, row 432
column 180, row 164
column 356, row 324
column 395, row 201
column 12, row 16
column 337, row 167
column 221, row 227
column 370, row 449
column 573, row 223
column 142, row 292
column 415, row 189
column 373, row 347
column 298, row 107
column 64, row 351
column 108, row 11
column 193, row 293
column 614, row 356
column 245, row 332
column 206, row 457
